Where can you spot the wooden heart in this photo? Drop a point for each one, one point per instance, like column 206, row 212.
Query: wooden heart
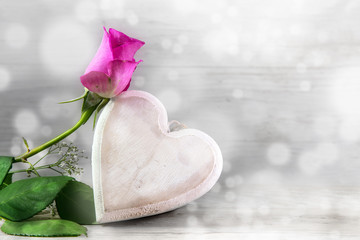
column 141, row 166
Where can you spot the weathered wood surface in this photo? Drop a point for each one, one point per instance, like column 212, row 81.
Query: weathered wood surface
column 275, row 83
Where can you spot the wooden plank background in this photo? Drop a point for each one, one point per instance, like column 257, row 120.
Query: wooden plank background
column 275, row 83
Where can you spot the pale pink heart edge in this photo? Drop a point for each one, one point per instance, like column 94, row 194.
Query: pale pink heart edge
column 162, row 206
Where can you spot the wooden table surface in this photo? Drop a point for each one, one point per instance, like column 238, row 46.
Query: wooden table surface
column 275, row 83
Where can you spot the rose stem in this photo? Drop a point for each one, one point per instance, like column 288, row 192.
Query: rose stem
column 84, row 117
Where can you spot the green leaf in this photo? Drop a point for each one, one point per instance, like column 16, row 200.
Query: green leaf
column 5, row 165
column 7, row 181
column 91, row 101
column 76, row 99
column 23, row 199
column 44, row 228
column 75, row 202
column 26, row 144
column 98, row 109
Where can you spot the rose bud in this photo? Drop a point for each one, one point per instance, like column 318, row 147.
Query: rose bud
column 109, row 73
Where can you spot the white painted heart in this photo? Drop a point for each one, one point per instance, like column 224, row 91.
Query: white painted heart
column 140, row 167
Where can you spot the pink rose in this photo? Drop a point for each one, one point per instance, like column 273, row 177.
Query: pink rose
column 110, row 71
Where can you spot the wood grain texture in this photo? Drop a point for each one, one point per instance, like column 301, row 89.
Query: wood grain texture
column 275, row 83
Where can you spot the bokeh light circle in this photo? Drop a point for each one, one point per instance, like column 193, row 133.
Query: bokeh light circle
column 166, row 43
column 26, row 122
column 132, row 18
column 86, row 11
column 177, row 48
column 16, row 35
column 66, row 48
column 237, row 93
column 349, row 130
column 15, row 150
column 221, row 42
column 278, row 154
column 48, row 108
column 345, row 92
column 171, row 99
column 5, row 78
column 309, row 163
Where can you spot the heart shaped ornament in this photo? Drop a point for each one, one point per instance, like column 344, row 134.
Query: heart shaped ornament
column 142, row 165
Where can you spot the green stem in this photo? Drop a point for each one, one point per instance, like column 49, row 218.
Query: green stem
column 19, row 171
column 48, row 166
column 84, row 117
column 56, row 170
column 33, row 169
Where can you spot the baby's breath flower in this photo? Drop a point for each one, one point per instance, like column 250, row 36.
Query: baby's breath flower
column 68, row 161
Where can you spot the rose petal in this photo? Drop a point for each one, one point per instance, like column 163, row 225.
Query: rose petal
column 127, row 87
column 126, row 51
column 102, row 57
column 123, row 47
column 110, row 71
column 100, row 83
column 120, row 74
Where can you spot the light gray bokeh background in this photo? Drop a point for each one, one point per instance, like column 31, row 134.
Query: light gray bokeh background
column 275, row 83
